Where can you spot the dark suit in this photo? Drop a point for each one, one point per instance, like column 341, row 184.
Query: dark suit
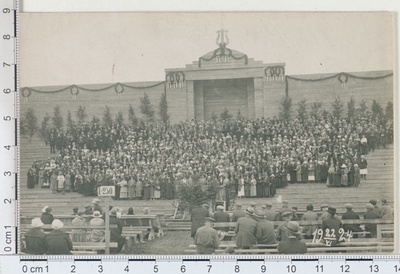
column 58, row 243
column 238, row 213
column 35, row 241
column 351, row 215
column 333, row 224
column 198, row 219
column 265, row 232
column 222, row 217
column 246, row 232
column 371, row 214
column 292, row 246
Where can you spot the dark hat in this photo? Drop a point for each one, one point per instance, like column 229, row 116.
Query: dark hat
column 310, row 207
column 373, row 202
column 332, row 210
column 209, row 219
column 384, row 201
column 259, row 214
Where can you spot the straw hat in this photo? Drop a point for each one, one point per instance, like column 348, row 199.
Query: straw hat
column 96, row 214
column 57, row 224
column 36, row 222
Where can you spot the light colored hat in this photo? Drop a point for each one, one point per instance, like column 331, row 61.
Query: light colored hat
column 146, row 210
column 264, row 206
column 324, row 205
column 286, row 213
column 343, row 166
column 268, row 204
column 250, row 210
column 253, row 204
column 57, row 224
column 293, row 227
column 96, row 214
column 220, row 207
column 95, row 201
column 348, row 206
column 369, row 206
column 44, row 209
column 36, row 222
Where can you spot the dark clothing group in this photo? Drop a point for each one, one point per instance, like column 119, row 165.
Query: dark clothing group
column 245, row 157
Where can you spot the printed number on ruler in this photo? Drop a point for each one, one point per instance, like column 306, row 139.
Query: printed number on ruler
column 8, row 125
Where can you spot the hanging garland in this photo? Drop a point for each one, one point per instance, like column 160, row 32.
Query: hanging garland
column 342, row 77
column 74, row 89
column 220, row 52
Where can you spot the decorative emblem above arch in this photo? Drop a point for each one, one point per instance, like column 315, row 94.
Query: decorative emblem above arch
column 222, row 54
column 174, row 79
column 274, row 73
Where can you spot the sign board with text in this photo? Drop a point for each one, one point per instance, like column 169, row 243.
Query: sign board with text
column 104, row 191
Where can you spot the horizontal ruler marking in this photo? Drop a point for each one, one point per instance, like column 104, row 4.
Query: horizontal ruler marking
column 196, row 260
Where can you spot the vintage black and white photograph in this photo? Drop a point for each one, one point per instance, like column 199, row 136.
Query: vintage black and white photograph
column 206, row 133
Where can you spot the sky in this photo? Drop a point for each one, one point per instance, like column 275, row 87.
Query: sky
column 89, row 48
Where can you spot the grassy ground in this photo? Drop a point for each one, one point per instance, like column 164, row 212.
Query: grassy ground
column 172, row 243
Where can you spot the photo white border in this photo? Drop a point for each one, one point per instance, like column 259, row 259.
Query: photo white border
column 240, row 5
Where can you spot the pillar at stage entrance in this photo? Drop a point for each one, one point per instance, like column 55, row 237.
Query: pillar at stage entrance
column 258, row 97
column 189, row 100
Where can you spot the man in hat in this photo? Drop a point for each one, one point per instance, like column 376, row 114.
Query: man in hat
column 221, row 216
column 253, row 205
column 265, row 232
column 115, row 233
column 351, row 215
column 238, row 213
column 330, row 228
column 309, row 216
column 57, row 241
column 35, row 238
column 97, row 235
column 96, row 205
column 198, row 217
column 281, row 234
column 324, row 212
column 75, row 211
column 293, row 244
column 376, row 207
column 246, row 230
column 371, row 214
column 285, row 208
column 386, row 210
column 269, row 213
column 88, row 210
column 206, row 238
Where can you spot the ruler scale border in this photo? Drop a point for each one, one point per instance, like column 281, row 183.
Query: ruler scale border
column 171, row 263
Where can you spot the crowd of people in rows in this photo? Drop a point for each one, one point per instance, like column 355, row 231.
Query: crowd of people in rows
column 247, row 158
column 55, row 241
column 255, row 226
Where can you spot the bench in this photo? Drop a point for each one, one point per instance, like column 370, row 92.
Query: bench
column 85, row 247
column 145, row 221
column 358, row 246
